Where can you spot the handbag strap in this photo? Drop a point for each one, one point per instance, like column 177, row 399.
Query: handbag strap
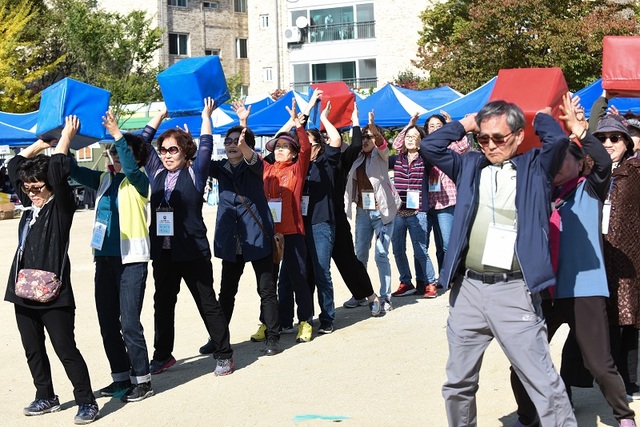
column 23, row 238
column 246, row 205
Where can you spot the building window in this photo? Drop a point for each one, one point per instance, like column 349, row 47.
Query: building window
column 178, row 44
column 210, row 5
column 211, row 52
column 267, row 74
column 84, row 154
column 241, row 48
column 179, row 3
column 240, row 6
column 264, row 21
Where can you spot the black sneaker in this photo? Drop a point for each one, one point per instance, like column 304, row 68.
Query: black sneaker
column 138, row 392
column 116, row 388
column 208, row 348
column 87, row 413
column 42, row 406
column 273, row 346
column 325, row 328
column 159, row 366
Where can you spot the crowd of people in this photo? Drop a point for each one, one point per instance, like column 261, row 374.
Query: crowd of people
column 524, row 241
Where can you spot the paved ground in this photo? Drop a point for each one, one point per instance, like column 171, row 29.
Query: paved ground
column 370, row 372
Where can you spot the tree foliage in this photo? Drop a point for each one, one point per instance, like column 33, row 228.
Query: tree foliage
column 105, row 49
column 410, row 80
column 465, row 43
column 19, row 69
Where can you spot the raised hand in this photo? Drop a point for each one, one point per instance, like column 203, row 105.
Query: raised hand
column 111, row 124
column 209, row 106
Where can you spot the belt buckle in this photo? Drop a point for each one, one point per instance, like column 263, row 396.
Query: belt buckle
column 489, row 278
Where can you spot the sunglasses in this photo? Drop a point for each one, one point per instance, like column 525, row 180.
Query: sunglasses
column 229, row 141
column 33, row 189
column 173, row 150
column 483, row 139
column 613, row 138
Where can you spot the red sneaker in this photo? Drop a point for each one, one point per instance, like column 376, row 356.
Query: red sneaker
column 404, row 290
column 431, row 291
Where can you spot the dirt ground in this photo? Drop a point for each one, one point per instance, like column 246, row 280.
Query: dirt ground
column 385, row 371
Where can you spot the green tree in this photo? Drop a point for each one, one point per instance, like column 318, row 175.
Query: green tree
column 19, row 69
column 410, row 80
column 463, row 43
column 104, row 49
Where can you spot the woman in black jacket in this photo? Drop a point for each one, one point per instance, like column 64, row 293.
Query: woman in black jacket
column 41, row 184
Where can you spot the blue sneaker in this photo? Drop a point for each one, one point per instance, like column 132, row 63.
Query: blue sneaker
column 87, row 413
column 42, row 406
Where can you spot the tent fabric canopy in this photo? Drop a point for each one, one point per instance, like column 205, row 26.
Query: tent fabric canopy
column 469, row 103
column 589, row 94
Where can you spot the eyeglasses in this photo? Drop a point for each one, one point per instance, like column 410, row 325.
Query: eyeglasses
column 229, row 141
column 33, row 189
column 283, row 147
column 497, row 139
column 173, row 150
column 613, row 138
column 413, row 137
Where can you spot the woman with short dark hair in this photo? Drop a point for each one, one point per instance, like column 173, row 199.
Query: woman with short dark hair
column 41, row 184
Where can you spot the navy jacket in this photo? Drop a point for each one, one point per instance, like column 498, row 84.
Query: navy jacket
column 535, row 170
column 233, row 221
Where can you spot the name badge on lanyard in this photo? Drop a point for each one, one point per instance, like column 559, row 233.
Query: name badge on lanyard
column 606, row 214
column 304, row 205
column 500, row 246
column 413, row 199
column 164, row 221
column 434, row 184
column 368, row 201
column 275, row 206
column 100, row 231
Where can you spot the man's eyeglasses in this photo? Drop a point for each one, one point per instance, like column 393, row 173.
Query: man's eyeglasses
column 613, row 138
column 33, row 189
column 483, row 139
column 173, row 150
column 229, row 141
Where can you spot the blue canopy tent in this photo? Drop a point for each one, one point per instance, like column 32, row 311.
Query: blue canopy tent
column 391, row 107
column 589, row 94
column 270, row 119
column 469, row 103
column 221, row 123
column 17, row 130
column 255, row 106
column 431, row 98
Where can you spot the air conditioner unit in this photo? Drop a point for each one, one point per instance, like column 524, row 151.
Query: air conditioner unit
column 292, row 35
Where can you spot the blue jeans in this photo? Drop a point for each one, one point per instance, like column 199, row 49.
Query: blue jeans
column 119, row 294
column 320, row 238
column 368, row 224
column 417, row 226
column 441, row 220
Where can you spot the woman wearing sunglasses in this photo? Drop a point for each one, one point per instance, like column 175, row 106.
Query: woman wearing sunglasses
column 179, row 245
column 239, row 238
column 621, row 232
column 41, row 184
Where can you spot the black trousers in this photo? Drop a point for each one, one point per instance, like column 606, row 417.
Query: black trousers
column 59, row 323
column 266, row 285
column 587, row 318
column 198, row 275
column 624, row 348
column 353, row 272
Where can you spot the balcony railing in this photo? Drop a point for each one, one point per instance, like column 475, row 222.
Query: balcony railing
column 355, row 84
column 345, row 31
